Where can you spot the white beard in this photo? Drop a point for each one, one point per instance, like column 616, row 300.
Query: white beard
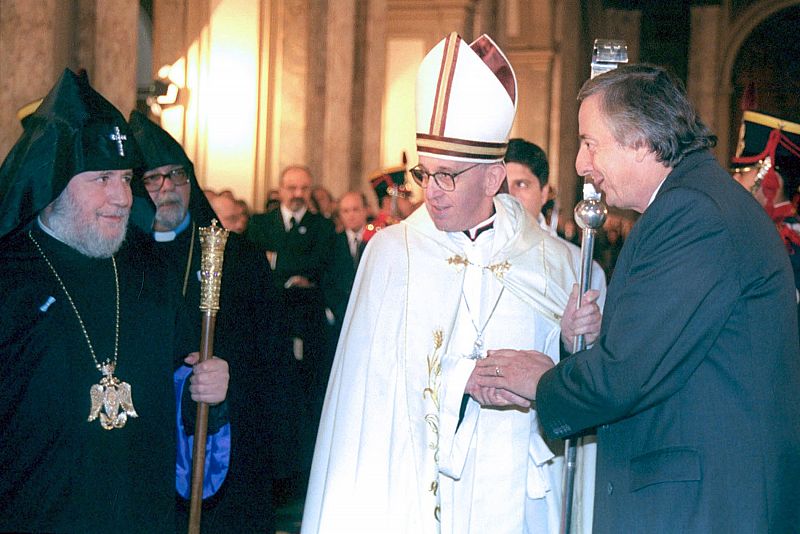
column 67, row 221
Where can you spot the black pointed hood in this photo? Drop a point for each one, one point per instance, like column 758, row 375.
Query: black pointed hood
column 160, row 148
column 74, row 130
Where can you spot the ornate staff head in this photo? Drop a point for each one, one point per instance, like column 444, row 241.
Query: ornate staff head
column 212, row 241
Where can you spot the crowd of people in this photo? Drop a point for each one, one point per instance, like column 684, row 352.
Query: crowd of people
column 412, row 368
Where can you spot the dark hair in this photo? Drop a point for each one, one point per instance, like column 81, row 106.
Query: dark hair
column 646, row 105
column 531, row 155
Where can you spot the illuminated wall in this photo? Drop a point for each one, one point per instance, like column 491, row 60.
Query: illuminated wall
column 399, row 128
column 216, row 119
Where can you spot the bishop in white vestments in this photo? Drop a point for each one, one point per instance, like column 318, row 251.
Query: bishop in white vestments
column 402, row 447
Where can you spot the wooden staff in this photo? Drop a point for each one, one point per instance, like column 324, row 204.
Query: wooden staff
column 212, row 241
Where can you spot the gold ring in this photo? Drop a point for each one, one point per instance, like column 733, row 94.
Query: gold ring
column 497, row 371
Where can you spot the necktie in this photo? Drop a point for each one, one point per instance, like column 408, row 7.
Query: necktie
column 292, row 223
column 354, row 250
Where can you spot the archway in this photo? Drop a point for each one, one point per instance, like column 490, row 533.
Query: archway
column 739, row 32
column 766, row 72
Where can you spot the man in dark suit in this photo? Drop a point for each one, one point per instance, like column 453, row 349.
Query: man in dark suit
column 693, row 380
column 298, row 244
column 347, row 248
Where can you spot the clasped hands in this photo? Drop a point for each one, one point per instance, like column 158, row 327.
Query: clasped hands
column 209, row 381
column 508, row 377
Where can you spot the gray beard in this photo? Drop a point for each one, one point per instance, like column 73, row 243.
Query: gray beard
column 64, row 221
column 170, row 211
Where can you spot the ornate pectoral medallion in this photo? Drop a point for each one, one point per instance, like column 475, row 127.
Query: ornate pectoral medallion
column 113, row 397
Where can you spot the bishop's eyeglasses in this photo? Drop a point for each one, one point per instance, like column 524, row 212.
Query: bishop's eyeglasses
column 446, row 181
column 154, row 181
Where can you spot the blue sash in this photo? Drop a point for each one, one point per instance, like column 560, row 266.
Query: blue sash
column 218, row 449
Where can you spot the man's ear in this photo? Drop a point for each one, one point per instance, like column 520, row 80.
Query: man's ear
column 495, row 175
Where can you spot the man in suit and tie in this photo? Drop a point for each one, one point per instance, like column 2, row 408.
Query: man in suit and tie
column 693, row 380
column 298, row 244
column 347, row 249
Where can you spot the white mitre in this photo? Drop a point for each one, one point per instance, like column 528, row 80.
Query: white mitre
column 466, row 101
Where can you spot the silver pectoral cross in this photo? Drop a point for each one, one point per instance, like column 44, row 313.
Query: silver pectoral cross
column 119, row 137
column 477, row 348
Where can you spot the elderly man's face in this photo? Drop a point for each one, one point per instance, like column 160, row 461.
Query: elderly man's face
column 525, row 186
column 295, row 189
column 172, row 201
column 352, row 211
column 91, row 214
column 470, row 203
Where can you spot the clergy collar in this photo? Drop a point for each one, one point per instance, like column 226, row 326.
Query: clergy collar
column 481, row 227
column 163, row 237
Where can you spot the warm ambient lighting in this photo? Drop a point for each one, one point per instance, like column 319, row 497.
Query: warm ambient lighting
column 165, row 91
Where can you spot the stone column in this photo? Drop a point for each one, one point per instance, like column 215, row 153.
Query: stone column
column 29, row 66
column 702, row 84
column 338, row 103
column 39, row 39
column 533, row 69
column 106, row 48
column 370, row 85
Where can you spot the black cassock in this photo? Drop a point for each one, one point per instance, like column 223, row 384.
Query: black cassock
column 260, row 403
column 60, row 472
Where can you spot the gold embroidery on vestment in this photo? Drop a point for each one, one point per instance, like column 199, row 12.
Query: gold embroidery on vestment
column 498, row 269
column 431, row 392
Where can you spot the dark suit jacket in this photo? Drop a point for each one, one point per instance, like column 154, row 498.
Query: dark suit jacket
column 304, row 251
column 339, row 278
column 694, row 380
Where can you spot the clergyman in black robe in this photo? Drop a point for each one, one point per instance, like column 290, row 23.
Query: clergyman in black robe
column 89, row 333
column 247, row 336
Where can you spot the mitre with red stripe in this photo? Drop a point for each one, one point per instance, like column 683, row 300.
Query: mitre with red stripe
column 466, row 101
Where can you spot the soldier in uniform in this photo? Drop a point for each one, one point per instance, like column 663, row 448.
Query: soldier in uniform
column 394, row 199
column 767, row 162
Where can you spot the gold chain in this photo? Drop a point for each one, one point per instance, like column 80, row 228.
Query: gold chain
column 78, row 315
column 188, row 262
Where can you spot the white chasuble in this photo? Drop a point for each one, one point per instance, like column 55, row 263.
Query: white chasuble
column 391, row 454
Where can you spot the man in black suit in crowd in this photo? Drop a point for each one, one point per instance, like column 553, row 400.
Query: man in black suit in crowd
column 347, row 249
column 298, row 245
column 693, row 380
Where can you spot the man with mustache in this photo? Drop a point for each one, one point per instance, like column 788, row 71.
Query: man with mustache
column 246, row 333
column 298, row 246
column 89, row 333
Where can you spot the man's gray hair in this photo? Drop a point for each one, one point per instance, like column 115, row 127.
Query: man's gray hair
column 646, row 105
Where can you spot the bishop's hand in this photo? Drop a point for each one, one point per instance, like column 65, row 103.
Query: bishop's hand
column 209, row 381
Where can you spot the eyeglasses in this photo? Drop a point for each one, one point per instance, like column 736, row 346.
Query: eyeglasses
column 446, row 181
column 154, row 181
